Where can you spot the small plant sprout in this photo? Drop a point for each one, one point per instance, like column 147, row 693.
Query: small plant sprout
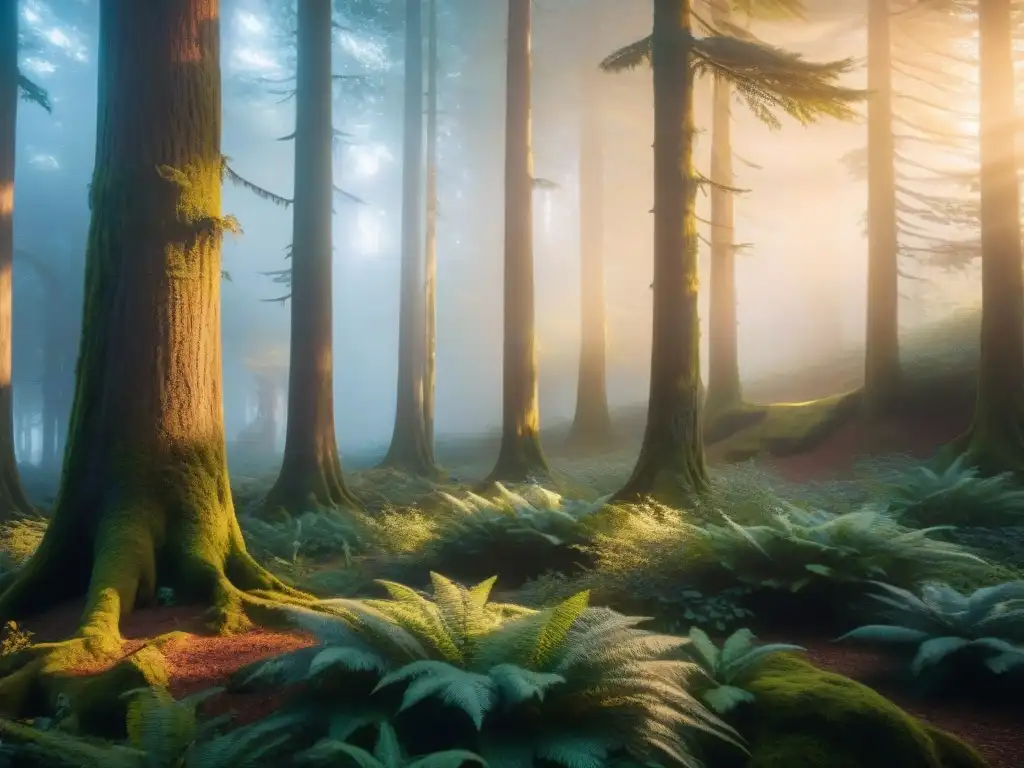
column 723, row 667
column 387, row 753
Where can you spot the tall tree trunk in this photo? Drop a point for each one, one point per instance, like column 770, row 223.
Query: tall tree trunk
column 144, row 500
column 13, row 501
column 592, row 424
column 995, row 442
column 724, row 390
column 410, row 450
column 881, row 354
column 430, row 268
column 311, row 467
column 671, row 465
column 520, row 457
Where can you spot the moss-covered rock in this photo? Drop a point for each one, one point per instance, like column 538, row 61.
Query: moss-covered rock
column 803, row 716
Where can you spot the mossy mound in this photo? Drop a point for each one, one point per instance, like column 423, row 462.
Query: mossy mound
column 786, row 429
column 803, row 716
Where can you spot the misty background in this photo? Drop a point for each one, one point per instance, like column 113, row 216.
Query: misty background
column 801, row 282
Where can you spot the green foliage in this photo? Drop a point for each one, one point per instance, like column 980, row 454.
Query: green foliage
column 387, row 753
column 315, row 535
column 767, row 79
column 570, row 685
column 676, row 565
column 18, row 540
column 942, row 623
column 795, row 548
column 956, row 495
column 518, row 534
column 162, row 733
column 738, row 656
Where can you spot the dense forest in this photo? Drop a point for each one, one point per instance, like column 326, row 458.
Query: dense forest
column 738, row 542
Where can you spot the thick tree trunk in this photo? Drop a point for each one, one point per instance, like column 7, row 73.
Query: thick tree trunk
column 144, row 500
column 311, row 467
column 671, row 465
column 13, row 502
column 520, row 457
column 410, row 450
column 881, row 354
column 995, row 442
column 430, row 258
column 724, row 391
column 592, row 424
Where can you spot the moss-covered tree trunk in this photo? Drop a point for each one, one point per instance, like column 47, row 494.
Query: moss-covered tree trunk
column 671, row 465
column 410, row 451
column 310, row 474
column 995, row 442
column 724, row 391
column 520, row 457
column 144, row 500
column 13, row 501
column 430, row 251
column 592, row 423
column 881, row 354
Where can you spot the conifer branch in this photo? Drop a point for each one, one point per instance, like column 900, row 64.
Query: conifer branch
column 34, row 93
column 227, row 172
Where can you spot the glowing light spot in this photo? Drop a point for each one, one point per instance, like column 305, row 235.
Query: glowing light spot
column 30, row 16
column 58, row 38
column 250, row 24
column 367, row 160
column 253, row 58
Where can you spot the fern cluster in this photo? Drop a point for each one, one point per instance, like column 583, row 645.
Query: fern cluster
column 162, row 733
column 567, row 686
column 956, row 495
column 660, row 559
column 945, row 625
column 317, row 535
column 519, row 534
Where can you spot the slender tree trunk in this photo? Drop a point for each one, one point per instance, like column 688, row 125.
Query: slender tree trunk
column 671, row 463
column 144, row 500
column 13, row 501
column 311, row 468
column 520, row 457
column 995, row 442
column 724, row 390
column 592, row 424
column 881, row 354
column 430, row 355
column 410, row 450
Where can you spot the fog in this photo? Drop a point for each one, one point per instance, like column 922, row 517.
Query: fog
column 801, row 283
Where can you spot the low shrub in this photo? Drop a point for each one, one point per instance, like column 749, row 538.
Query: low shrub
column 945, row 626
column 567, row 686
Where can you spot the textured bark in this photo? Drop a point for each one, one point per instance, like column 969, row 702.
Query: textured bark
column 592, row 424
column 995, row 442
column 881, row 354
column 430, row 251
column 144, row 500
column 724, row 390
column 520, row 457
column 310, row 474
column 671, row 465
column 13, row 502
column 410, row 451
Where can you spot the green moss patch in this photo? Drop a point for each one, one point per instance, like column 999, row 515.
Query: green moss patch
column 786, row 429
column 803, row 716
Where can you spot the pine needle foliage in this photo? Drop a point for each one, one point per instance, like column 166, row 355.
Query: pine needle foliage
column 768, row 80
column 34, row 93
column 571, row 685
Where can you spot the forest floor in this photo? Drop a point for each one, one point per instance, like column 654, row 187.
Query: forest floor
column 200, row 661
